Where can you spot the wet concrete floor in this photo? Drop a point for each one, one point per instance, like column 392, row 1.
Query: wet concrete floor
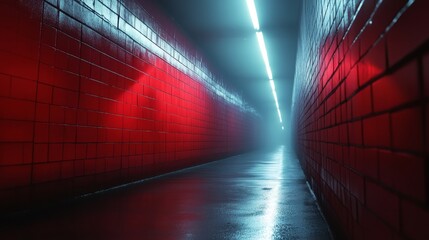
column 258, row 195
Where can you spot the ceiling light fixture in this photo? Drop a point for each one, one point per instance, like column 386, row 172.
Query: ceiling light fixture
column 254, row 16
column 264, row 53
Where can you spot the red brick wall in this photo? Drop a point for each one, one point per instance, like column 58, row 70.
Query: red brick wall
column 361, row 114
column 96, row 93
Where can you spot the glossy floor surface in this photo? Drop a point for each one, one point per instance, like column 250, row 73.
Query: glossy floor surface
column 258, row 195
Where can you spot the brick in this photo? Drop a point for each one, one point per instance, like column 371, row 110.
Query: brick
column 80, row 151
column 349, row 156
column 18, row 66
column 362, row 103
column 14, row 176
column 343, row 134
column 48, row 35
column 23, row 46
column 79, row 168
column 56, row 133
column 14, row 109
column 407, row 129
column 42, row 112
column 5, row 85
column 82, row 117
column 15, row 153
column 47, row 55
column 44, row 93
column 404, row 173
column 362, row 17
column 409, row 32
column 70, row 116
column 46, row 74
column 93, row 118
column 67, row 170
column 60, row 58
column 376, row 131
column 67, row 45
column 415, row 221
column 381, row 19
column 90, row 166
column 367, row 163
column 16, row 131
column 88, row 102
column 86, row 134
column 66, row 80
column 56, row 114
column 41, row 133
column 45, row 172
column 112, row 164
column 65, row 97
column 69, row 25
column 91, row 150
column 383, row 203
column 69, row 151
column 55, row 152
column 91, row 55
column 397, row 89
column 355, row 133
column 23, row 89
column 41, row 152
column 357, row 186
column 374, row 228
column 373, row 64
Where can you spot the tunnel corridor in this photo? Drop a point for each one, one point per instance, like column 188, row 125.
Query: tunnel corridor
column 204, row 119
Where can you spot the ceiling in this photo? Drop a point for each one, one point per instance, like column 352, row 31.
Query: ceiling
column 222, row 30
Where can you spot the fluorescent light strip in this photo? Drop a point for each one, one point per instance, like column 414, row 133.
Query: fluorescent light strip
column 264, row 53
column 253, row 14
column 273, row 87
column 263, row 49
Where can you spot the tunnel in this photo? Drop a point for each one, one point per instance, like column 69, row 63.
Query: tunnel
column 214, row 119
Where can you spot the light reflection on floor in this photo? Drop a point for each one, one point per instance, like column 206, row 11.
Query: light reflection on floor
column 272, row 201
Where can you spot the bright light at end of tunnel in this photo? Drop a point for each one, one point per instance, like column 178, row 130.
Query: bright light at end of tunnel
column 261, row 42
column 253, row 14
